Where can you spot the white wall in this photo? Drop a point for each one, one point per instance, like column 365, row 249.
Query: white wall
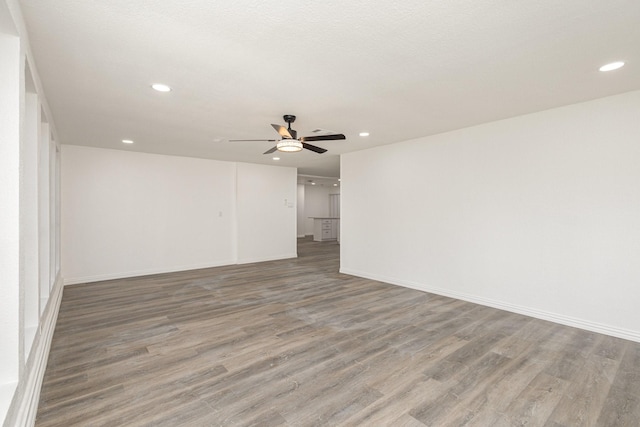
column 300, row 218
column 266, row 212
column 127, row 214
column 316, row 203
column 538, row 214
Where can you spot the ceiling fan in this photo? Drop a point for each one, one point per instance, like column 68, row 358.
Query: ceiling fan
column 290, row 141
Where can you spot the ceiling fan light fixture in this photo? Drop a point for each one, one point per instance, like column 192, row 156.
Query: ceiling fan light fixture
column 289, row 145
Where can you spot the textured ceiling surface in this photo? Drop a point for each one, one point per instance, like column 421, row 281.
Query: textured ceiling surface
column 397, row 69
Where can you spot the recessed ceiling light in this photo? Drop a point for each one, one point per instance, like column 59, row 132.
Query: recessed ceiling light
column 276, row 158
column 364, row 134
column 612, row 66
column 161, row 87
column 313, row 183
column 335, row 185
column 127, row 141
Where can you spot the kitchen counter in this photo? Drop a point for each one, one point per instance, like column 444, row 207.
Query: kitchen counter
column 326, row 228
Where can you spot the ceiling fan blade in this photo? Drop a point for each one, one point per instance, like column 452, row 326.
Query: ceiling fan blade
column 282, row 131
column 247, row 140
column 313, row 148
column 323, row 137
column 271, row 150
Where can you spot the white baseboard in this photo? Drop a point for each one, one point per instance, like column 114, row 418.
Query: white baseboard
column 562, row 319
column 25, row 407
column 139, row 273
column 263, row 259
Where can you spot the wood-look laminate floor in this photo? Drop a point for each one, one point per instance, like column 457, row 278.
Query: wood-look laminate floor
column 295, row 343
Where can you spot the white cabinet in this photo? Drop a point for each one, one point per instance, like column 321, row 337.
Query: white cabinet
column 325, row 229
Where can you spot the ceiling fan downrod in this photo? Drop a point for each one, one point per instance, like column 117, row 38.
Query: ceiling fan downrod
column 289, row 118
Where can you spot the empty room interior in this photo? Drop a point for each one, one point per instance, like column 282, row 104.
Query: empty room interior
column 258, row 213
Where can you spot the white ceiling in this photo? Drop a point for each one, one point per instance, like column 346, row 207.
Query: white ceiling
column 397, row 69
